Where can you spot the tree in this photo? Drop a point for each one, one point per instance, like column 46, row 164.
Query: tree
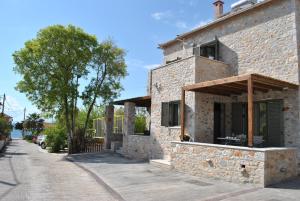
column 19, row 125
column 51, row 66
column 62, row 60
column 108, row 66
column 34, row 123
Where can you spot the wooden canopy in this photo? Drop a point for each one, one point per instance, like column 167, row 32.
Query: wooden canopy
column 144, row 101
column 236, row 86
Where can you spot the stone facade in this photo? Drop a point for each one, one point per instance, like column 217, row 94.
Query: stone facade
column 263, row 40
column 235, row 164
column 166, row 86
column 167, row 82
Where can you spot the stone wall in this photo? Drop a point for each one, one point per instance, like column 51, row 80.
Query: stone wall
column 235, row 164
column 280, row 165
column 262, row 40
column 167, row 82
column 204, row 103
column 137, row 147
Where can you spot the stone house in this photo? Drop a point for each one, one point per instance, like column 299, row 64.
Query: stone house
column 225, row 102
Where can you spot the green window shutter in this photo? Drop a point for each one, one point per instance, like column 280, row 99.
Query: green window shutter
column 275, row 124
column 164, row 114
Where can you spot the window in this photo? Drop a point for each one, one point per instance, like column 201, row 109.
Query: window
column 170, row 115
column 209, row 50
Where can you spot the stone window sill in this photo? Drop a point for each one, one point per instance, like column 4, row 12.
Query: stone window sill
column 174, row 127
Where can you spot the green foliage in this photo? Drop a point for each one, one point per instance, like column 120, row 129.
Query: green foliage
column 60, row 61
column 19, row 125
column 140, row 124
column 81, row 117
column 56, row 138
column 28, row 138
column 34, row 124
column 5, row 127
column 119, row 111
column 50, row 64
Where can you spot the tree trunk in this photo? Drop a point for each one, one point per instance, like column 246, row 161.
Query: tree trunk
column 69, row 130
column 97, row 89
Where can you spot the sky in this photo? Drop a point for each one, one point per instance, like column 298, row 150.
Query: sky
column 137, row 26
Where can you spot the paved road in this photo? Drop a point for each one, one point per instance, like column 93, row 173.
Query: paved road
column 29, row 173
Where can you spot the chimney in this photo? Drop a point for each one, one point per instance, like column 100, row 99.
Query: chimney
column 218, row 8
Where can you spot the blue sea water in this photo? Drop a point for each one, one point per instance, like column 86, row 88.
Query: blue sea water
column 16, row 133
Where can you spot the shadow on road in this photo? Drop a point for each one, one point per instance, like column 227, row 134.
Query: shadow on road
column 107, row 158
column 292, row 184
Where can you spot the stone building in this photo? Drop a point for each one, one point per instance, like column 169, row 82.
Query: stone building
column 225, row 101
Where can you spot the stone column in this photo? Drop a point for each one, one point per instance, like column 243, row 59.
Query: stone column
column 109, row 125
column 129, row 115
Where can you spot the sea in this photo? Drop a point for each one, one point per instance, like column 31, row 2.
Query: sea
column 15, row 134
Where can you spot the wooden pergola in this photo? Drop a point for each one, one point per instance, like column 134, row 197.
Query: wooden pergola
column 143, row 101
column 236, row 85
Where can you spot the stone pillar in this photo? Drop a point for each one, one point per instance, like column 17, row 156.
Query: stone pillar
column 129, row 115
column 109, row 125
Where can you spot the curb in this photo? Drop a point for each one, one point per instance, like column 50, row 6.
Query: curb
column 113, row 193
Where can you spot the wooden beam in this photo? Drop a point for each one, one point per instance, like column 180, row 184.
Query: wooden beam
column 213, row 92
column 274, row 82
column 182, row 113
column 250, row 112
column 262, row 88
column 222, row 81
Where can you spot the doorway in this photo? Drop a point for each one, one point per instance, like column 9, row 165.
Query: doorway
column 219, row 121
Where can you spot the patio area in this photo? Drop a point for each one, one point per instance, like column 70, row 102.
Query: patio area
column 246, row 143
column 257, row 106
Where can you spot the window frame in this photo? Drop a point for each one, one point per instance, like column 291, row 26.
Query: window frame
column 170, row 114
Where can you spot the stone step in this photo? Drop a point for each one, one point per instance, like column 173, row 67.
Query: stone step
column 119, row 151
column 161, row 163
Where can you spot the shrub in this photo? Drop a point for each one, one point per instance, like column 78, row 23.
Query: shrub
column 56, row 138
column 5, row 127
column 140, row 124
column 28, row 138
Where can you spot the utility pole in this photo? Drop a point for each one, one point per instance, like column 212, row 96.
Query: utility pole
column 24, row 113
column 3, row 104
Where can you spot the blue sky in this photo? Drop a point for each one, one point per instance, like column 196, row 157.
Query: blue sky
column 135, row 25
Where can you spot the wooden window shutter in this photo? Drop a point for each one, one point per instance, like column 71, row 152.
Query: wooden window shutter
column 165, row 114
column 275, row 124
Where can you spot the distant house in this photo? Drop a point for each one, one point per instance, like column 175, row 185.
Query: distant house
column 225, row 102
column 7, row 117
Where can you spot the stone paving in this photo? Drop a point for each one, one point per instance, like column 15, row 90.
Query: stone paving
column 29, row 173
column 135, row 180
